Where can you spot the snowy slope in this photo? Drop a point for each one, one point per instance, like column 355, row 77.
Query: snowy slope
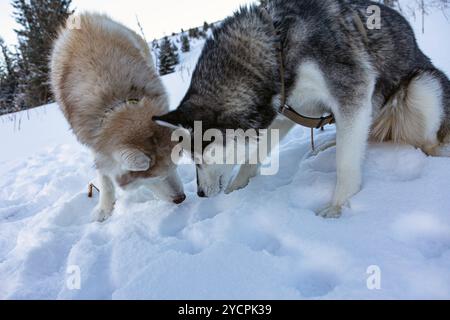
column 262, row 242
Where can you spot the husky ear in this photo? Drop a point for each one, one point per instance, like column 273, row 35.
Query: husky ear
column 133, row 160
column 173, row 120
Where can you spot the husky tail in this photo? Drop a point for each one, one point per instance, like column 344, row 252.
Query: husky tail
column 418, row 113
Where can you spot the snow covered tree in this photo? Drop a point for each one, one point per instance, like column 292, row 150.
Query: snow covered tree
column 168, row 57
column 176, row 56
column 6, row 57
column 2, row 69
column 194, row 33
column 39, row 21
column 8, row 79
column 185, row 43
column 3, row 77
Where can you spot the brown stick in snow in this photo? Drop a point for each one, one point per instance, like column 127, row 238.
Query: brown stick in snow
column 91, row 190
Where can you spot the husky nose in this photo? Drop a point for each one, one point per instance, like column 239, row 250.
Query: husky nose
column 201, row 194
column 179, row 199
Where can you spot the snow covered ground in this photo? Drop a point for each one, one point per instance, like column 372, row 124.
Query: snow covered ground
column 264, row 242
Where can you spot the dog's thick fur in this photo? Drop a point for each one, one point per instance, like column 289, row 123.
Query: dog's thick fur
column 377, row 83
column 104, row 80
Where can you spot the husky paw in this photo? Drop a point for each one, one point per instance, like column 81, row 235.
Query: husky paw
column 332, row 212
column 243, row 178
column 101, row 214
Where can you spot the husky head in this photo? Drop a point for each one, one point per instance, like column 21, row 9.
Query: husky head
column 136, row 152
column 212, row 176
column 232, row 87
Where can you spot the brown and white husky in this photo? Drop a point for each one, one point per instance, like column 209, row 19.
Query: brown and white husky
column 105, row 82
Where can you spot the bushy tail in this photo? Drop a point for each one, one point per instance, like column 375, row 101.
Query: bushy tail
column 414, row 113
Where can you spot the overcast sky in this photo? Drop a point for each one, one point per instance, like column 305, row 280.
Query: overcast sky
column 158, row 17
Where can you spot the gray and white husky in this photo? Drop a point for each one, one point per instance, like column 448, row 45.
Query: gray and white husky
column 378, row 84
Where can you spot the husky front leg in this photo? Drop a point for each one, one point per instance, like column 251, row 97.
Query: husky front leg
column 351, row 143
column 107, row 200
column 249, row 171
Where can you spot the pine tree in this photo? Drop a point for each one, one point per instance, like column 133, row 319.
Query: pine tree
column 168, row 57
column 8, row 79
column 3, row 77
column 185, row 43
column 39, row 21
column 6, row 57
column 194, row 33
column 175, row 55
column 205, row 26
